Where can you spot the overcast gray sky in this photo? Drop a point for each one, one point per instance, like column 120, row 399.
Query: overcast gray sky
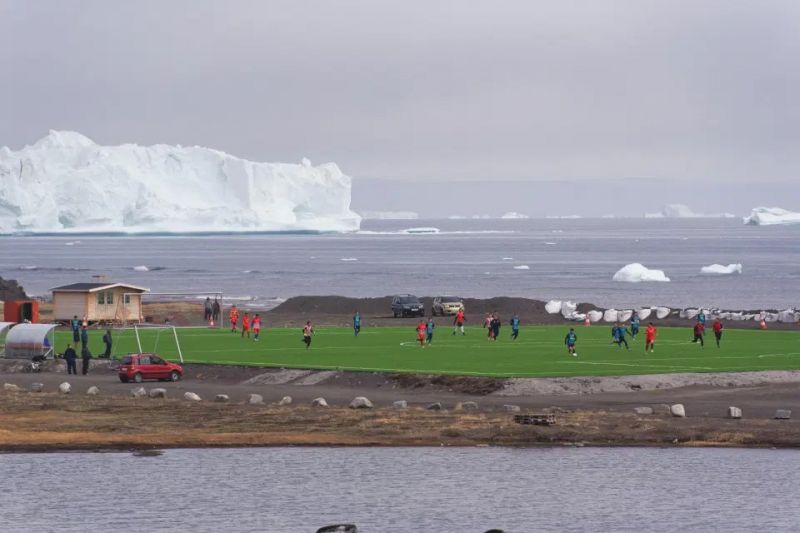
column 421, row 89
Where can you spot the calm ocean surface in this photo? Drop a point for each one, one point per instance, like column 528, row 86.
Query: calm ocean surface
column 451, row 490
column 567, row 259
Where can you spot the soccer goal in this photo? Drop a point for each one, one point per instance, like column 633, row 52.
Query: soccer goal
column 162, row 340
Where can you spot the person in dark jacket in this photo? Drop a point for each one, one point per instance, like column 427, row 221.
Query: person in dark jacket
column 71, row 357
column 84, row 337
column 75, row 324
column 108, row 341
column 86, row 356
column 207, row 309
column 215, row 311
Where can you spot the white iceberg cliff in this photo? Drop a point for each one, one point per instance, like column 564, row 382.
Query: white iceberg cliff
column 636, row 272
column 683, row 211
column 389, row 215
column 67, row 183
column 721, row 270
column 769, row 216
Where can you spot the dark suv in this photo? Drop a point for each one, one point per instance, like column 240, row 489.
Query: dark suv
column 407, row 305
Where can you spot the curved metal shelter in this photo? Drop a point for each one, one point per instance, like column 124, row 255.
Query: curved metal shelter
column 29, row 340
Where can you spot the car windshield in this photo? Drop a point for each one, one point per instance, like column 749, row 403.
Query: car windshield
column 451, row 300
column 126, row 360
column 408, row 300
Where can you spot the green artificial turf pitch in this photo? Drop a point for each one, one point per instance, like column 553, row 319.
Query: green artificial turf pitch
column 539, row 351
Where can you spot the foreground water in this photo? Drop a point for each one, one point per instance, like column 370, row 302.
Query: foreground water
column 285, row 490
column 566, row 259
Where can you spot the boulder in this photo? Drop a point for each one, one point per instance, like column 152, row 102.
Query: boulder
column 139, row 392
column 643, row 410
column 436, row 406
column 65, row 388
column 677, row 410
column 783, row 414
column 191, row 397
column 222, row 398
column 319, row 402
column 511, row 408
column 93, row 391
column 400, row 404
column 255, row 399
column 466, row 406
column 37, row 387
column 10, row 387
column 361, row 402
column 734, row 412
column 286, row 400
column 158, row 393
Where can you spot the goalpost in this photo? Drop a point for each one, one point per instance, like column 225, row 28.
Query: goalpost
column 174, row 335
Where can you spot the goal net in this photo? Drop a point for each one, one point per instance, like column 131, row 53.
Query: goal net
column 147, row 338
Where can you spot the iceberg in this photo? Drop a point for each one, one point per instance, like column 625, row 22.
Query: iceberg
column 513, row 215
column 721, row 270
column 636, row 272
column 67, row 183
column 770, row 216
column 624, row 316
column 683, row 211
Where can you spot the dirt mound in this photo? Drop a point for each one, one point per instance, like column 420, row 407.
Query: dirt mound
column 334, row 305
column 460, row 384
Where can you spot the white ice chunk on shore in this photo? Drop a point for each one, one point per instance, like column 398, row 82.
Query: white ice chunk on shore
column 644, row 314
column 67, row 183
column 624, row 316
column 770, row 216
column 611, row 315
column 594, row 315
column 553, row 307
column 662, row 312
column 721, row 270
column 636, row 272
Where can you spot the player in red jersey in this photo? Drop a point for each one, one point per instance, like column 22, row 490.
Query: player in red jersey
column 234, row 317
column 246, row 325
column 256, row 326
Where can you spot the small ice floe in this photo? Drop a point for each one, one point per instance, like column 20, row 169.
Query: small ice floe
column 71, row 243
column 349, row 259
column 636, row 272
column 522, row 267
column 508, row 259
column 549, row 243
column 721, row 270
column 141, row 268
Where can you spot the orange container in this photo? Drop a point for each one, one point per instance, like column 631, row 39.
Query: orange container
column 21, row 310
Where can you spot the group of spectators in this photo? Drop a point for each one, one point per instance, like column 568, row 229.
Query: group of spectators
column 80, row 334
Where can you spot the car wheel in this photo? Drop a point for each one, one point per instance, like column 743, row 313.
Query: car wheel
column 137, row 377
column 174, row 376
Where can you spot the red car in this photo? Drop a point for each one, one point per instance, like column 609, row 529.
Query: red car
column 140, row 366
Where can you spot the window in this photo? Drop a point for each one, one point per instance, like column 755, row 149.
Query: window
column 127, row 299
column 110, row 297
column 101, row 298
column 156, row 361
column 144, row 360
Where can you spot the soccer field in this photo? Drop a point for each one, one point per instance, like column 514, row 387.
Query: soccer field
column 539, row 351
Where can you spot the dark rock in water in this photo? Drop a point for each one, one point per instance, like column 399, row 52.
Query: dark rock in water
column 10, row 290
column 495, row 531
column 339, row 528
column 148, row 453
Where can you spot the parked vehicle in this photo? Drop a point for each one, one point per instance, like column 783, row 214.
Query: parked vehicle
column 137, row 367
column 407, row 305
column 447, row 305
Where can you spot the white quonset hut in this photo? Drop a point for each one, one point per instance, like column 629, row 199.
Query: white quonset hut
column 30, row 340
column 4, row 326
column 98, row 302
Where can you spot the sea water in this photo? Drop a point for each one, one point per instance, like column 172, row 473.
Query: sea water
column 566, row 259
column 383, row 490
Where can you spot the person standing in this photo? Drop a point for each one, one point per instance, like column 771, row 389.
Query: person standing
column 233, row 315
column 619, row 336
column 701, row 317
column 75, row 324
column 215, row 311
column 108, row 341
column 246, row 325
column 422, row 328
column 356, row 324
column 495, row 326
column 84, row 337
column 308, row 331
column 458, row 323
column 86, row 357
column 429, row 327
column 514, row 327
column 207, row 310
column 256, row 326
column 699, row 330
column 488, row 326
column 717, row 327
column 570, row 341
column 650, row 338
column 71, row 357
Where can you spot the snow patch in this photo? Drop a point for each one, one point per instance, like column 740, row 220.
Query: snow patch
column 67, row 183
column 636, row 273
column 720, row 270
column 770, row 216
